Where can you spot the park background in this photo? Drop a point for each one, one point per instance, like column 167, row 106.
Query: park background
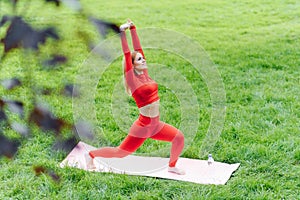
column 255, row 47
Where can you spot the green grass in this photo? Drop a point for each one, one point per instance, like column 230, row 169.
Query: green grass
column 254, row 44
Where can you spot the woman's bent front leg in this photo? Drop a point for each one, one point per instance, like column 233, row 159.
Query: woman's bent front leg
column 171, row 134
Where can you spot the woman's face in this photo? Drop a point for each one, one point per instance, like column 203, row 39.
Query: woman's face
column 139, row 62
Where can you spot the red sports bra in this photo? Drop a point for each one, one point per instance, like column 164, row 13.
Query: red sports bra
column 147, row 92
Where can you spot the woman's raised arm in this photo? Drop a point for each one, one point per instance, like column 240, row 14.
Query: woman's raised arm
column 136, row 43
column 135, row 40
column 126, row 51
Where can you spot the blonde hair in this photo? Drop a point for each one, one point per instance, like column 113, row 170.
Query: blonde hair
column 127, row 89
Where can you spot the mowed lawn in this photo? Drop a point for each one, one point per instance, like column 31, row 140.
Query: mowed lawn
column 255, row 46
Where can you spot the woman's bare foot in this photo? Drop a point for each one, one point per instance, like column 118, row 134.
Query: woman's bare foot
column 176, row 170
column 89, row 161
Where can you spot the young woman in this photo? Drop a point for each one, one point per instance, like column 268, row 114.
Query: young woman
column 144, row 90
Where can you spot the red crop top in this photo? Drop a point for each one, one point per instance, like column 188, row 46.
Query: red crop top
column 144, row 90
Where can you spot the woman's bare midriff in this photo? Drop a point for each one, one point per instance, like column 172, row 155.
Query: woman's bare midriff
column 150, row 110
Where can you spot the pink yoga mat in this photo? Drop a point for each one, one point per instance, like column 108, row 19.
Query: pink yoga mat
column 197, row 171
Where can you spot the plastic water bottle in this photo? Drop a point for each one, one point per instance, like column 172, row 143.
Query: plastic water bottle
column 210, row 159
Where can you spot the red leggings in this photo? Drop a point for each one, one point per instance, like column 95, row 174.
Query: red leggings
column 143, row 128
